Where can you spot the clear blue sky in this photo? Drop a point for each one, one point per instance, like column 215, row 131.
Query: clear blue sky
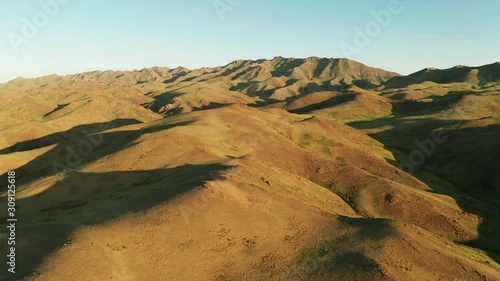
column 122, row 35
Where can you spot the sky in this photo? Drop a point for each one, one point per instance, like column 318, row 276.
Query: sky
column 70, row 36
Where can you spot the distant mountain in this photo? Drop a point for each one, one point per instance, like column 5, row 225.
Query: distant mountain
column 328, row 70
column 481, row 75
column 170, row 91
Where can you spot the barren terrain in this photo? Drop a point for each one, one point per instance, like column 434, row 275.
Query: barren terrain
column 282, row 169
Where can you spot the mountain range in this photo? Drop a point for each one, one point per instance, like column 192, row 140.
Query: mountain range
column 281, row 169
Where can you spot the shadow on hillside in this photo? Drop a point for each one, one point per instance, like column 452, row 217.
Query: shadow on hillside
column 249, row 88
column 161, row 100
column 334, row 101
column 466, row 167
column 332, row 256
column 47, row 220
column 365, row 84
column 438, row 104
column 285, row 67
column 303, row 92
column 175, row 77
column 403, row 131
column 230, row 71
column 372, row 228
column 212, row 105
column 77, row 146
column 246, row 71
column 59, row 107
column 320, row 68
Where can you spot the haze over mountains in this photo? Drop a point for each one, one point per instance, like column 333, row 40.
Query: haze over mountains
column 282, row 169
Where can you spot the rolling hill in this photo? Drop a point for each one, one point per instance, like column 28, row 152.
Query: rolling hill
column 282, row 169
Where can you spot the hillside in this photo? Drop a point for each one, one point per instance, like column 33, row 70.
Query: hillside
column 282, row 169
column 170, row 91
column 474, row 76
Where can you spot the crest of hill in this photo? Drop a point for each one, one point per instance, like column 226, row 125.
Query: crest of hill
column 289, row 71
column 481, row 75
